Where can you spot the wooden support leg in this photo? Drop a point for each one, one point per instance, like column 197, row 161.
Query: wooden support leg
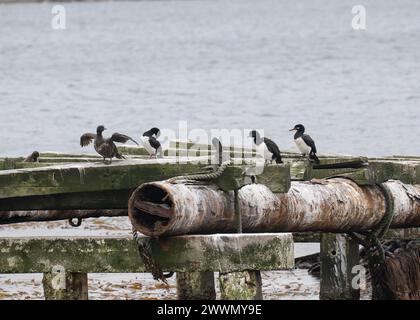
column 61, row 285
column 245, row 285
column 195, row 286
column 339, row 254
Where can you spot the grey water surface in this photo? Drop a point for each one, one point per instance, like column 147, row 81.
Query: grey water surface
column 265, row 64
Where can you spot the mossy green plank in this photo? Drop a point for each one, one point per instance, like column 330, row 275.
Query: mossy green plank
column 276, row 177
column 406, row 172
column 133, row 150
column 87, row 177
column 57, row 160
column 224, row 253
column 53, row 154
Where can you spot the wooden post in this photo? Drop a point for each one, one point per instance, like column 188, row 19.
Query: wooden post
column 61, row 285
column 245, row 285
column 195, row 285
column 339, row 254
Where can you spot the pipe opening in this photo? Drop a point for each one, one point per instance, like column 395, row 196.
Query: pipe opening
column 150, row 209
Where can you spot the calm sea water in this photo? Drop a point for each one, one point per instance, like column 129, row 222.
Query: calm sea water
column 218, row 64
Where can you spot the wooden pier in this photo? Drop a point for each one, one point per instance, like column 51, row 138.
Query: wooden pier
column 310, row 201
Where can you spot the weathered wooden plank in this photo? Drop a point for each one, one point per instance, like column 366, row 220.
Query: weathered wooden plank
column 88, row 177
column 276, row 177
column 7, row 217
column 54, row 154
column 107, row 199
column 339, row 255
column 17, row 163
column 133, row 150
column 374, row 173
column 244, row 285
column 195, row 285
column 61, row 285
column 100, row 186
column 391, row 234
column 53, row 160
column 219, row 252
column 407, row 172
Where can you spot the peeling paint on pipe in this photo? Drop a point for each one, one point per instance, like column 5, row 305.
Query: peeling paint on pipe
column 334, row 205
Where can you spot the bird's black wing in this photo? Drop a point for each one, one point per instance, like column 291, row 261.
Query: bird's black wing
column 86, row 139
column 273, row 148
column 122, row 138
column 154, row 143
column 310, row 142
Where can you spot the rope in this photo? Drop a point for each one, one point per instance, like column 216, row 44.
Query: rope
column 150, row 263
column 371, row 239
column 204, row 176
column 373, row 235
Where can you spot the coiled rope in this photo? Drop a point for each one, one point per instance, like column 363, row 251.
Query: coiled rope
column 203, row 176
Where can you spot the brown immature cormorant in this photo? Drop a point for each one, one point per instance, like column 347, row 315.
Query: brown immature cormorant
column 105, row 147
column 33, row 157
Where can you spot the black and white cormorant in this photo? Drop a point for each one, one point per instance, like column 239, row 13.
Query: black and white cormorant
column 105, row 147
column 267, row 148
column 151, row 144
column 305, row 143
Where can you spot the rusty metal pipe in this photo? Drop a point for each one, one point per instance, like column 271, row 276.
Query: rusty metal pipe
column 335, row 205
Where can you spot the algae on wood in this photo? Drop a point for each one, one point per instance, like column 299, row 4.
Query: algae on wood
column 245, row 285
column 339, row 255
column 195, row 285
column 62, row 285
column 220, row 252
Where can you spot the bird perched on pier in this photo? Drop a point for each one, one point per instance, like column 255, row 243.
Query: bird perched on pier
column 105, row 147
column 305, row 143
column 151, row 143
column 33, row 157
column 267, row 148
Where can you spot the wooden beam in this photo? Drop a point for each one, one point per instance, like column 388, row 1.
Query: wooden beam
column 339, row 255
column 89, row 177
column 220, row 252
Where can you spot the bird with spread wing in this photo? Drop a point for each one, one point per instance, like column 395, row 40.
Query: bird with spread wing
column 105, row 146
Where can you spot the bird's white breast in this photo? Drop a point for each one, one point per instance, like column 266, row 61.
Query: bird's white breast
column 302, row 146
column 263, row 151
column 147, row 146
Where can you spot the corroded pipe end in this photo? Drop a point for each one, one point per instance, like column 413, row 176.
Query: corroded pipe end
column 150, row 208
